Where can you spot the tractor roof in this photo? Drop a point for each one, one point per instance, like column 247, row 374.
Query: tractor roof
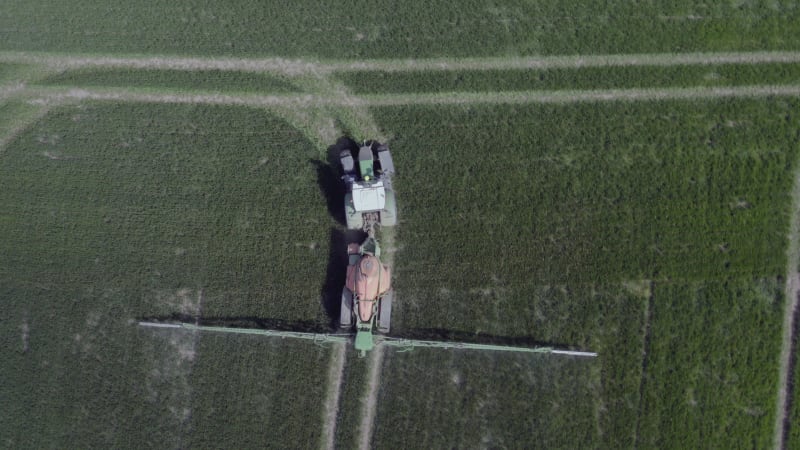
column 369, row 196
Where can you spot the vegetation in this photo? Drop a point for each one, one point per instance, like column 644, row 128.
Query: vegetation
column 651, row 232
column 112, row 213
column 207, row 80
column 361, row 29
column 11, row 72
column 571, row 78
column 351, row 400
column 712, row 365
column 622, row 193
column 277, row 385
column 527, row 399
column 460, row 399
column 165, row 198
column 598, row 193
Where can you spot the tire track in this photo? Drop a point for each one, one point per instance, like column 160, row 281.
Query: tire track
column 792, row 300
column 374, row 365
column 358, row 103
column 331, row 410
column 293, row 67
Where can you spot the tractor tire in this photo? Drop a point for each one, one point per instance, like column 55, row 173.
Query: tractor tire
column 389, row 211
column 385, row 312
column 346, row 313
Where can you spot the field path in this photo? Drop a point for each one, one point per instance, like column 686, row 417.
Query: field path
column 59, row 95
column 331, row 410
column 792, row 296
column 374, row 367
column 293, row 67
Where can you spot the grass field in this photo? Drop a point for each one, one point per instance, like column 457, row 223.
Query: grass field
column 492, row 80
column 710, row 374
column 628, row 194
column 358, row 29
column 490, row 400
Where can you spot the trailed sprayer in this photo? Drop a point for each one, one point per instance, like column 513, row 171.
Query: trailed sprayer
column 366, row 305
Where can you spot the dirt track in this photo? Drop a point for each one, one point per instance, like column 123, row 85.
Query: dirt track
column 792, row 299
column 49, row 95
column 331, row 410
column 371, row 401
column 293, row 67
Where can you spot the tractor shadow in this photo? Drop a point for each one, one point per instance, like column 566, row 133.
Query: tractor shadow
column 332, row 188
column 329, row 177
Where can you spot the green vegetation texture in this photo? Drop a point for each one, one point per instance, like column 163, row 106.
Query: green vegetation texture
column 111, row 213
column 462, row 399
column 371, row 82
column 498, row 400
column 712, row 365
column 548, row 223
column 518, row 196
column 257, row 393
column 652, row 233
column 351, row 399
column 358, row 28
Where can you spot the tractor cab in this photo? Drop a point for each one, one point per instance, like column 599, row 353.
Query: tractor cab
column 369, row 198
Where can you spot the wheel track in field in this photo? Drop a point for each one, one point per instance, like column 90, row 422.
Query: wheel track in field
column 790, row 317
column 370, row 406
column 360, row 103
column 293, row 67
column 331, row 411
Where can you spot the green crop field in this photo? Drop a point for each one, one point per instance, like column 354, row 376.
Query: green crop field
column 616, row 178
column 570, row 78
column 360, row 29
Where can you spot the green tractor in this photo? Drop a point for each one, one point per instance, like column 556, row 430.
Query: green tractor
column 367, row 295
column 369, row 200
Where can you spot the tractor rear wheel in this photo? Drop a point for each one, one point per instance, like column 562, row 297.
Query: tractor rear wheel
column 385, row 312
column 346, row 313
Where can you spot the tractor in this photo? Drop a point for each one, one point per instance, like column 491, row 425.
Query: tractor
column 369, row 204
column 367, row 295
column 369, row 200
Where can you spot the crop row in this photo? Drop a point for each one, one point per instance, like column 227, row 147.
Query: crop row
column 153, row 199
column 619, row 77
column 522, row 216
column 378, row 82
column 507, row 400
column 712, row 364
column 505, row 198
column 115, row 213
column 356, row 28
column 527, row 224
